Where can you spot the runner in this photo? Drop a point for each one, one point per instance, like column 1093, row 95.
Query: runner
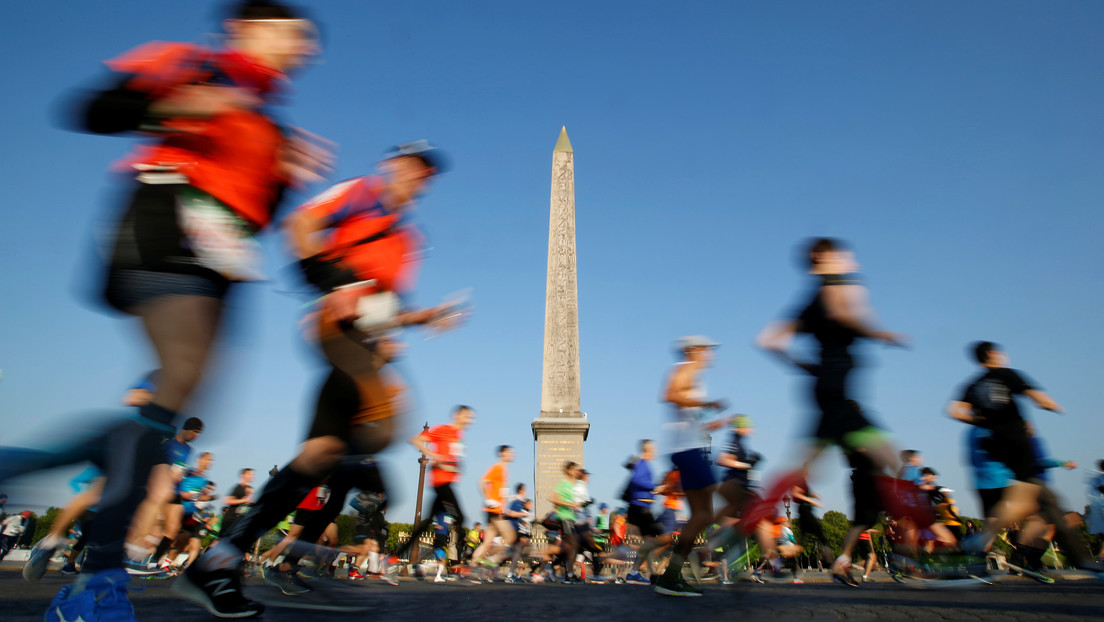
column 640, row 495
column 11, row 530
column 358, row 248
column 688, row 436
column 808, row 522
column 837, row 315
column 740, row 493
column 494, row 486
column 1094, row 520
column 238, row 501
column 566, row 507
column 169, row 278
column 989, row 401
column 444, row 445
column 88, row 486
column 520, row 512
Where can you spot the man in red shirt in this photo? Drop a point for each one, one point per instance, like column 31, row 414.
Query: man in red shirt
column 444, row 446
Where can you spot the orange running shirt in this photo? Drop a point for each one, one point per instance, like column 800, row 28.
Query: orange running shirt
column 494, row 481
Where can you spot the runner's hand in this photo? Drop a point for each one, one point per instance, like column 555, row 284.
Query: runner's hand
column 892, row 339
column 306, row 158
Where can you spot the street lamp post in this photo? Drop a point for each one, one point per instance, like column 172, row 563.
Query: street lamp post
column 423, row 460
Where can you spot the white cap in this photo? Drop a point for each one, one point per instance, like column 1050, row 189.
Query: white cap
column 695, row 341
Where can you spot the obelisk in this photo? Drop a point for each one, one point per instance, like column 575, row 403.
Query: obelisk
column 561, row 427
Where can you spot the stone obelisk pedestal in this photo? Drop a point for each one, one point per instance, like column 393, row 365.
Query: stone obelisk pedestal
column 562, row 427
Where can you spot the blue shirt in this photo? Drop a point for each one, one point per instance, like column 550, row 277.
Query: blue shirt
column 517, row 505
column 911, row 473
column 641, row 485
column 176, row 453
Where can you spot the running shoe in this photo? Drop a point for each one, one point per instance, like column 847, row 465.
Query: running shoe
column 439, row 579
column 355, row 575
column 635, row 578
column 140, row 569
column 841, row 571
column 727, row 581
column 217, row 591
column 37, row 563
column 572, row 580
column 289, row 581
column 536, row 578
column 104, row 598
column 513, row 579
column 676, row 586
column 619, row 581
column 69, row 568
column 390, row 575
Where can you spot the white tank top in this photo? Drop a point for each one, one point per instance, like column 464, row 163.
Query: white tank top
column 685, row 429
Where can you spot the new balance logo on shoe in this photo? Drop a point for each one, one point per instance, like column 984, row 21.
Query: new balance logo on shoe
column 218, row 587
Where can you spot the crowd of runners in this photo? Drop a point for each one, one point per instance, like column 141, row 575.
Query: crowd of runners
column 212, row 177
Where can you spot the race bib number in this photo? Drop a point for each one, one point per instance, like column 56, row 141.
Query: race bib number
column 219, row 238
column 377, row 312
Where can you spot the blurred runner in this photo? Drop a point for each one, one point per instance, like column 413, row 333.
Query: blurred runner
column 357, row 247
column 989, row 401
column 837, row 315
column 688, row 435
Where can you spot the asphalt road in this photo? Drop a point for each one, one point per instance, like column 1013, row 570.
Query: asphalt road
column 1012, row 599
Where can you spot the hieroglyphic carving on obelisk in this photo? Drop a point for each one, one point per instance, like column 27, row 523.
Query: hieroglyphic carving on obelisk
column 562, row 427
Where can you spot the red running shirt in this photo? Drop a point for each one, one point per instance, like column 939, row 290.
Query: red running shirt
column 233, row 155
column 352, row 211
column 447, row 441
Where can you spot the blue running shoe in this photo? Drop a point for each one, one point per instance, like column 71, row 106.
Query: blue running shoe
column 635, row 578
column 104, row 599
column 37, row 563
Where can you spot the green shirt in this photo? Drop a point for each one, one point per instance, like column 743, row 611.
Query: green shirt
column 565, row 490
column 602, row 522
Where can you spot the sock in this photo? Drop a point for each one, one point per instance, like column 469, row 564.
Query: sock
column 162, row 548
column 674, row 567
column 373, row 562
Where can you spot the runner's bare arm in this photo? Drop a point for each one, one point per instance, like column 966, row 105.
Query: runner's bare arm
column 776, row 339
column 961, row 411
column 421, row 443
column 680, row 388
column 1042, row 400
column 850, row 305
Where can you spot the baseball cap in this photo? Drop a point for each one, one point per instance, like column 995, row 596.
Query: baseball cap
column 695, row 341
column 741, row 421
column 421, row 149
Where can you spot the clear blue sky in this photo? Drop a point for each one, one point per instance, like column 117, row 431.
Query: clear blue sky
column 959, row 147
